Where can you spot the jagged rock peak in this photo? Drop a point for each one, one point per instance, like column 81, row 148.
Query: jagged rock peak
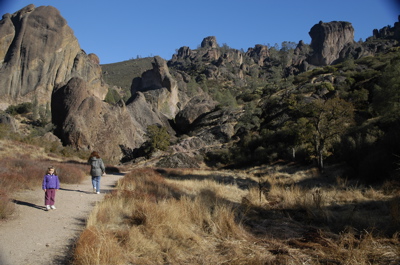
column 184, row 52
column 39, row 51
column 388, row 32
column 259, row 53
column 209, row 42
column 328, row 39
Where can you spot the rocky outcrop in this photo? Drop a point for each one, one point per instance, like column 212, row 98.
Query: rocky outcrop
column 209, row 42
column 159, row 88
column 259, row 54
column 197, row 106
column 388, row 32
column 86, row 122
column 328, row 40
column 39, row 51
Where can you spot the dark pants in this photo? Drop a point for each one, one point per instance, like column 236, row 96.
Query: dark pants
column 50, row 197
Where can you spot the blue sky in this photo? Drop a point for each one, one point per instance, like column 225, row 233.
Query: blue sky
column 120, row 30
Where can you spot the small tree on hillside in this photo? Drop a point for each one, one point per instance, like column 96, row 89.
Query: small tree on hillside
column 159, row 139
column 322, row 123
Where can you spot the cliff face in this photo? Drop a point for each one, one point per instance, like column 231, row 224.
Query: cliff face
column 86, row 122
column 38, row 50
column 328, row 40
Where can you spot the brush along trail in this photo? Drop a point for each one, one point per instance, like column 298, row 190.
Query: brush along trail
column 35, row 236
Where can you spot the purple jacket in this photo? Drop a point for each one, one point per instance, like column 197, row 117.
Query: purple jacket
column 50, row 182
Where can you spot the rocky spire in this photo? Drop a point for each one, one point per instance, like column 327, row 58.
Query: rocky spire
column 328, row 39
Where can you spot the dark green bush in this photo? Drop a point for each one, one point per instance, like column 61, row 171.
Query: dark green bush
column 159, row 139
column 22, row 108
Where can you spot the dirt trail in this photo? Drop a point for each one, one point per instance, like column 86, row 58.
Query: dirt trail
column 34, row 236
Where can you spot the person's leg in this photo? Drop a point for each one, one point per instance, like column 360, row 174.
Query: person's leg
column 98, row 184
column 94, row 183
column 52, row 198
column 47, row 197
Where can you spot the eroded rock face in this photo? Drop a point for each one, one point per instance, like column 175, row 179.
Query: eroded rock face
column 39, row 51
column 196, row 107
column 209, row 42
column 86, row 122
column 328, row 40
column 159, row 88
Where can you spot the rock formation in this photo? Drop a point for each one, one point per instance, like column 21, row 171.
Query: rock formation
column 86, row 122
column 196, row 107
column 328, row 40
column 40, row 59
column 209, row 42
column 38, row 51
column 259, row 54
column 159, row 88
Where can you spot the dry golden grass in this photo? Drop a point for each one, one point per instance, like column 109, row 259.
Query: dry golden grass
column 264, row 216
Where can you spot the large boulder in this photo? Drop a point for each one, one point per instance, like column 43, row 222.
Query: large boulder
column 86, row 122
column 196, row 107
column 328, row 40
column 39, row 51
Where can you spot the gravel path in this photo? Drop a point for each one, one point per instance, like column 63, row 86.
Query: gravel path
column 34, row 236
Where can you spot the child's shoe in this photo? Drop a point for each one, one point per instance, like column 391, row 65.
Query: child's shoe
column 53, row 207
column 98, row 192
column 47, row 207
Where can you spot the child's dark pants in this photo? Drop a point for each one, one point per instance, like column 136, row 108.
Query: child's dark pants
column 50, row 197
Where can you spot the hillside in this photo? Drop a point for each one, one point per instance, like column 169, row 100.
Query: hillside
column 271, row 101
column 333, row 101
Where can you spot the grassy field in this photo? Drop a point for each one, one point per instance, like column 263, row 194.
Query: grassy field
column 270, row 215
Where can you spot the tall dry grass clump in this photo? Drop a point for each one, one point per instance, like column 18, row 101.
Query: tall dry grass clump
column 208, row 217
column 150, row 221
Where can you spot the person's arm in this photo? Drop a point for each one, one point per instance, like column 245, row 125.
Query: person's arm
column 44, row 183
column 57, row 183
column 103, row 168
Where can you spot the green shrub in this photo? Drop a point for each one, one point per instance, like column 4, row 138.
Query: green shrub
column 22, row 108
column 112, row 96
column 159, row 139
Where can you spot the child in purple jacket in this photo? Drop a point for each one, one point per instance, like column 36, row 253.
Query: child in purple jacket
column 50, row 185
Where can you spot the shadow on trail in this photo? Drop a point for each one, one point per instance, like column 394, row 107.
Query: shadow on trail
column 29, row 204
column 81, row 191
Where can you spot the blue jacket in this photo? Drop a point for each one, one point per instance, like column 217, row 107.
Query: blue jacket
column 50, row 182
